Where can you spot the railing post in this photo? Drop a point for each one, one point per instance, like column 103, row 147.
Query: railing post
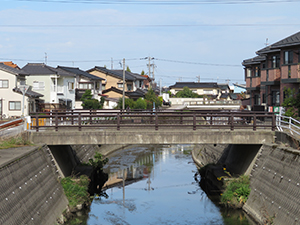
column 91, row 116
column 290, row 123
column 231, row 122
column 118, row 121
column 156, row 121
column 72, row 119
column 194, row 122
column 273, row 122
column 79, row 121
column 56, row 122
column 37, row 123
column 254, row 122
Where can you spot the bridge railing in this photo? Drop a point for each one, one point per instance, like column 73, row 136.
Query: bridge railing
column 157, row 120
column 288, row 123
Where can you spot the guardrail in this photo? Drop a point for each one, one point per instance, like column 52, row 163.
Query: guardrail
column 158, row 120
column 289, row 123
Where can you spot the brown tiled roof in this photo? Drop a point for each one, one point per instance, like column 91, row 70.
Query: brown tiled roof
column 11, row 64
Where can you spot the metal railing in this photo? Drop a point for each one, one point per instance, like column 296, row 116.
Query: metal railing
column 117, row 119
column 288, row 123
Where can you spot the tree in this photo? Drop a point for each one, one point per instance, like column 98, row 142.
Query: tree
column 127, row 69
column 88, row 102
column 143, row 72
column 151, row 97
column 186, row 93
column 291, row 103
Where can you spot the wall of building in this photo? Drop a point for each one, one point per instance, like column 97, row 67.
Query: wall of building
column 30, row 190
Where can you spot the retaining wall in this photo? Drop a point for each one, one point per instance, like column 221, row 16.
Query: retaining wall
column 30, row 192
column 274, row 177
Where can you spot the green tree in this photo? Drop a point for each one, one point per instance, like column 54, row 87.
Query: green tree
column 143, row 72
column 151, row 97
column 186, row 93
column 291, row 103
column 129, row 103
column 127, row 69
column 140, row 104
column 88, row 102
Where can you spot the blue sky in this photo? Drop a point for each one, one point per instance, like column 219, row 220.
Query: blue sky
column 185, row 40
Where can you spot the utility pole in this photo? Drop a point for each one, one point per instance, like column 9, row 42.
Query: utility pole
column 46, row 58
column 123, row 99
column 112, row 63
column 198, row 78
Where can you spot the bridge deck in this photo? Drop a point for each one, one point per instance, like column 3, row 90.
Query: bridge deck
column 151, row 136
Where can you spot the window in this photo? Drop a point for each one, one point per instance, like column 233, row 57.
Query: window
column 275, row 97
column 84, row 86
column 288, row 57
column 120, row 85
column 15, row 105
column 249, row 72
column 275, row 61
column 257, row 99
column 257, row 71
column 38, row 86
column 3, row 83
column 71, row 86
column 129, row 87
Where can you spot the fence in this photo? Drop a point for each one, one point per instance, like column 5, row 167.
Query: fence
column 80, row 119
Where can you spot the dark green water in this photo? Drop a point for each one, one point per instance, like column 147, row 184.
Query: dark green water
column 160, row 188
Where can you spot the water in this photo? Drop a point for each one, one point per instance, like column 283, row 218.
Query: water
column 160, row 188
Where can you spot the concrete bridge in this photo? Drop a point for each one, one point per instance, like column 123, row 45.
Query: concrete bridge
column 77, row 128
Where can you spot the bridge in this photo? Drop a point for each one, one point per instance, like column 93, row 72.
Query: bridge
column 148, row 127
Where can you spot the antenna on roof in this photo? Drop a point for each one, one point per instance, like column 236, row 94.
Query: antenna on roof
column 46, row 58
column 198, row 78
column 267, row 39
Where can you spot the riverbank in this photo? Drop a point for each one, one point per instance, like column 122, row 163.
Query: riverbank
column 275, row 187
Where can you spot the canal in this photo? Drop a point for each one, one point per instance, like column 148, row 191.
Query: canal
column 157, row 185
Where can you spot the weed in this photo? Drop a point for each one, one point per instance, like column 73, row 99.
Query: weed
column 14, row 143
column 236, row 191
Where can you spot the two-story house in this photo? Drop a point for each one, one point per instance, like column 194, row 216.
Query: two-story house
column 114, row 78
column 56, row 84
column 16, row 98
column 83, row 82
column 275, row 68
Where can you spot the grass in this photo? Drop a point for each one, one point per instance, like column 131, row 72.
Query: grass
column 14, row 143
column 76, row 190
column 236, row 191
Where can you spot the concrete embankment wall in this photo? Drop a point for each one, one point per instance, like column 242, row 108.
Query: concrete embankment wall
column 30, row 192
column 275, row 186
column 274, row 177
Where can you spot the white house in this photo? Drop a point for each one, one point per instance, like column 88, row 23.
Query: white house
column 12, row 85
column 84, row 81
column 55, row 84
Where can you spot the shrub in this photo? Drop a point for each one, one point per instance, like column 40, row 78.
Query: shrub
column 236, row 191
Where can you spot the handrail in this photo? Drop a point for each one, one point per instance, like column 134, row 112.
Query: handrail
column 288, row 123
column 163, row 119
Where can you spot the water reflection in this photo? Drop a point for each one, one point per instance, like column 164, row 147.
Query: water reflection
column 155, row 185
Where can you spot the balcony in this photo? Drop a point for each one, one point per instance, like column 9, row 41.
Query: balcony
column 253, row 83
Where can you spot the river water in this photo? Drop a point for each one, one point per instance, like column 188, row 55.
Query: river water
column 156, row 185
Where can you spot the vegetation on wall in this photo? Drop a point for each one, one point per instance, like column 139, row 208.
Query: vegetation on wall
column 14, row 142
column 76, row 190
column 236, row 191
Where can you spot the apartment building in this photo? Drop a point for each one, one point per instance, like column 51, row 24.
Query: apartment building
column 275, row 68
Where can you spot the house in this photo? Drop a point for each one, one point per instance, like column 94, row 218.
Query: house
column 112, row 96
column 114, row 78
column 83, row 82
column 275, row 68
column 12, row 85
column 208, row 89
column 56, row 84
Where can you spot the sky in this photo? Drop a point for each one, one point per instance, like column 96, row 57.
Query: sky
column 187, row 41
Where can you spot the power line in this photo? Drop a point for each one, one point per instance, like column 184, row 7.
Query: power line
column 199, row 63
column 142, row 25
column 161, row 2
